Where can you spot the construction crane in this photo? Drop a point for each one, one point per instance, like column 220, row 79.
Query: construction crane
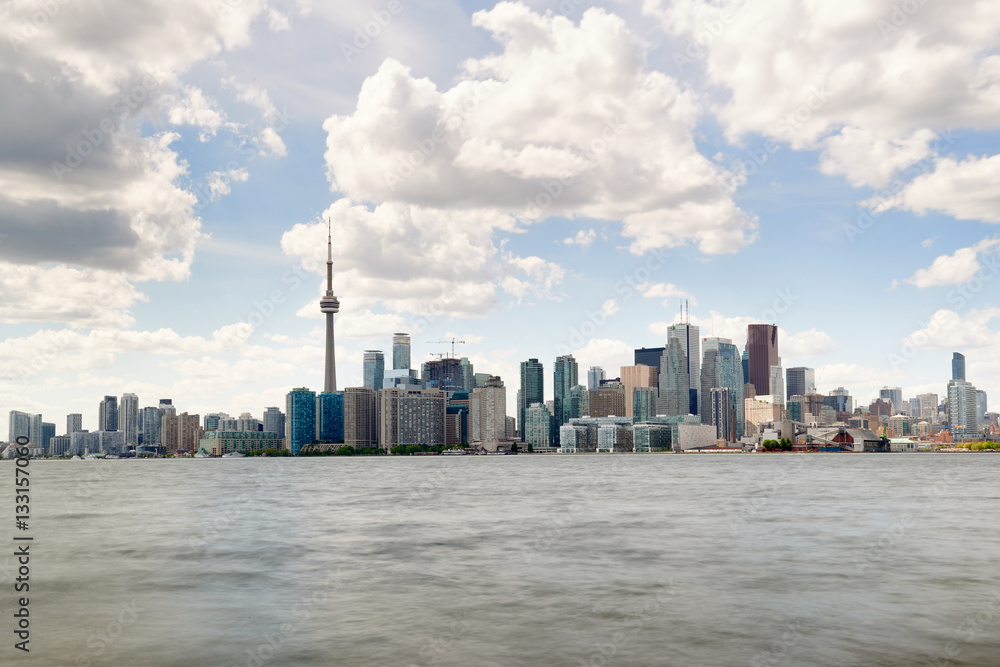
column 452, row 341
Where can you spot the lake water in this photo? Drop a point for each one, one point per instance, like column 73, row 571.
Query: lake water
column 510, row 561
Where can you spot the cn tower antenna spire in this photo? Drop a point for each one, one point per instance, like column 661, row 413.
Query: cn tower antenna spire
column 329, row 305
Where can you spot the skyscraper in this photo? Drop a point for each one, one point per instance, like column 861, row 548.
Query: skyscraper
column 729, row 375
column 74, row 423
column 128, row 418
column 532, row 389
column 360, row 418
column 762, row 351
column 329, row 305
column 152, row 420
column 300, row 408
column 800, row 381
column 274, row 421
column 490, row 405
column 107, row 416
column 330, row 417
column 675, row 383
column 634, row 377
column 564, row 378
column 374, row 369
column 895, row 396
column 689, row 336
column 778, row 383
column 411, row 417
column 468, row 374
column 981, row 405
column 19, row 426
column 649, row 356
column 446, row 374
column 538, row 425
column 594, row 377
column 400, row 351
column 957, row 366
column 722, row 416
column 962, row 406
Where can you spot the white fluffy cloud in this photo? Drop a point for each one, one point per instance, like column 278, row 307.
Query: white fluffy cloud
column 966, row 190
column 583, row 238
column 863, row 81
column 83, row 181
column 525, row 133
column 954, row 269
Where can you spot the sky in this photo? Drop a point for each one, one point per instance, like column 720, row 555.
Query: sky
column 532, row 178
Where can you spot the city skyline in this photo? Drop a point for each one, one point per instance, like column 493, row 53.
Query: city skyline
column 500, row 211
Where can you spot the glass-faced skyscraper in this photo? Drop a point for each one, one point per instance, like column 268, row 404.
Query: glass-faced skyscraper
column 564, row 378
column 330, row 417
column 374, row 369
column 957, row 366
column 532, row 390
column 689, row 337
column 400, row 352
column 675, row 383
column 107, row 418
column 300, row 425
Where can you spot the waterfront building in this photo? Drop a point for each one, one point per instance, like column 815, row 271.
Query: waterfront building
column 128, row 418
column 360, row 417
column 19, row 426
column 564, row 377
column 218, row 443
column 59, row 445
column 532, row 390
column 300, row 418
column 649, row 437
column 151, row 420
column 330, row 417
column 488, row 410
column 962, row 408
column 274, row 421
column 48, row 432
column 538, row 426
column 411, row 417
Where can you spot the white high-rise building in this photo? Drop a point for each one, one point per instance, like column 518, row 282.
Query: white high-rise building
column 274, row 421
column 19, row 426
column 962, row 405
column 778, row 384
column 488, row 412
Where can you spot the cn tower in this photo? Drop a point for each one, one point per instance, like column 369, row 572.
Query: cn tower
column 329, row 305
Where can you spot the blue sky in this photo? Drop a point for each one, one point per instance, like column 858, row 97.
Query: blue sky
column 122, row 275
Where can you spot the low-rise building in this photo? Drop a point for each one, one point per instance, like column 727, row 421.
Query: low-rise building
column 218, row 443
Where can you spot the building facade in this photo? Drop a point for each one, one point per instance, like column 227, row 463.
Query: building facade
column 762, row 353
column 360, row 417
column 532, row 390
column 411, row 417
column 374, row 369
column 330, row 417
column 300, row 418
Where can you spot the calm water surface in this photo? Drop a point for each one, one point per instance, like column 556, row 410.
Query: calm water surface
column 508, row 561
